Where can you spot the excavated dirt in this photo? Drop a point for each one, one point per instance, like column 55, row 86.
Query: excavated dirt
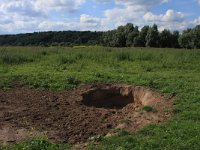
column 74, row 116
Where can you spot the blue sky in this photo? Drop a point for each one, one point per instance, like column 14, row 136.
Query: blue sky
column 21, row 16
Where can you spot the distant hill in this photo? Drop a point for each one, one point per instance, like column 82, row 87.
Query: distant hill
column 52, row 38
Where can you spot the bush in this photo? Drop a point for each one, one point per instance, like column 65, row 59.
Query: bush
column 148, row 108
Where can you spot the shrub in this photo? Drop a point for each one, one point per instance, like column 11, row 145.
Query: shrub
column 148, row 108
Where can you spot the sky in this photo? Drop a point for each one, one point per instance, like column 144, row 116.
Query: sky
column 22, row 16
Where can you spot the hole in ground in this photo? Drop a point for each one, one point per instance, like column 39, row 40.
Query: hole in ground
column 109, row 98
column 62, row 117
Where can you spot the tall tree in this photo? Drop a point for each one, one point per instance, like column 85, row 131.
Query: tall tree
column 140, row 41
column 185, row 40
column 120, row 37
column 196, row 37
column 165, row 39
column 129, row 29
column 132, row 36
column 174, row 39
column 152, row 38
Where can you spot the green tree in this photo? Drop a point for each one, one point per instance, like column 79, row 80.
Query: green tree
column 130, row 41
column 129, row 34
column 185, row 40
column 196, row 37
column 141, row 40
column 120, row 37
column 152, row 38
column 174, row 39
column 165, row 39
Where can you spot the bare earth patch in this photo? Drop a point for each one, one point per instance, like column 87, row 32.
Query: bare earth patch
column 74, row 116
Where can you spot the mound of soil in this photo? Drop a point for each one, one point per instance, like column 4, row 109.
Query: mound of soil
column 76, row 115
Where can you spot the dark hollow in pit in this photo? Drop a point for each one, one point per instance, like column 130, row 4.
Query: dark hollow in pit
column 111, row 98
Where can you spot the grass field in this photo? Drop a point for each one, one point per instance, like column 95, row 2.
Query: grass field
column 172, row 71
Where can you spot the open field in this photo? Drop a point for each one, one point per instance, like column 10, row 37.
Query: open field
column 174, row 72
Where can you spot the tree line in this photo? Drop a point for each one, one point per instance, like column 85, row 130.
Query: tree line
column 52, row 38
column 124, row 36
column 149, row 36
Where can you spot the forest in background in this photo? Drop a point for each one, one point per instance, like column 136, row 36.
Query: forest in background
column 124, row 36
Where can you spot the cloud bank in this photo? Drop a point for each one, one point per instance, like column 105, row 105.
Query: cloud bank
column 19, row 16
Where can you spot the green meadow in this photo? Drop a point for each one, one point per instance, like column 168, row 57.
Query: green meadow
column 171, row 71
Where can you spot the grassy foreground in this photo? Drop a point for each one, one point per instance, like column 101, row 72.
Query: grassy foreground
column 172, row 71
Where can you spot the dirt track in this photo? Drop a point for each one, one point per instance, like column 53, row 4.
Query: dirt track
column 76, row 115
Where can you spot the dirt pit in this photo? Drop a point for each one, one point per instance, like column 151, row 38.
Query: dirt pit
column 108, row 97
column 74, row 116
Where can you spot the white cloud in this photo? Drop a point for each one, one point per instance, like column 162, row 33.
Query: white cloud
column 87, row 19
column 18, row 27
column 128, row 11
column 141, row 2
column 56, row 25
column 169, row 16
column 85, row 22
column 197, row 21
column 37, row 8
column 33, row 15
column 90, row 22
column 135, row 2
column 120, row 16
column 20, row 7
column 66, row 5
column 170, row 20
